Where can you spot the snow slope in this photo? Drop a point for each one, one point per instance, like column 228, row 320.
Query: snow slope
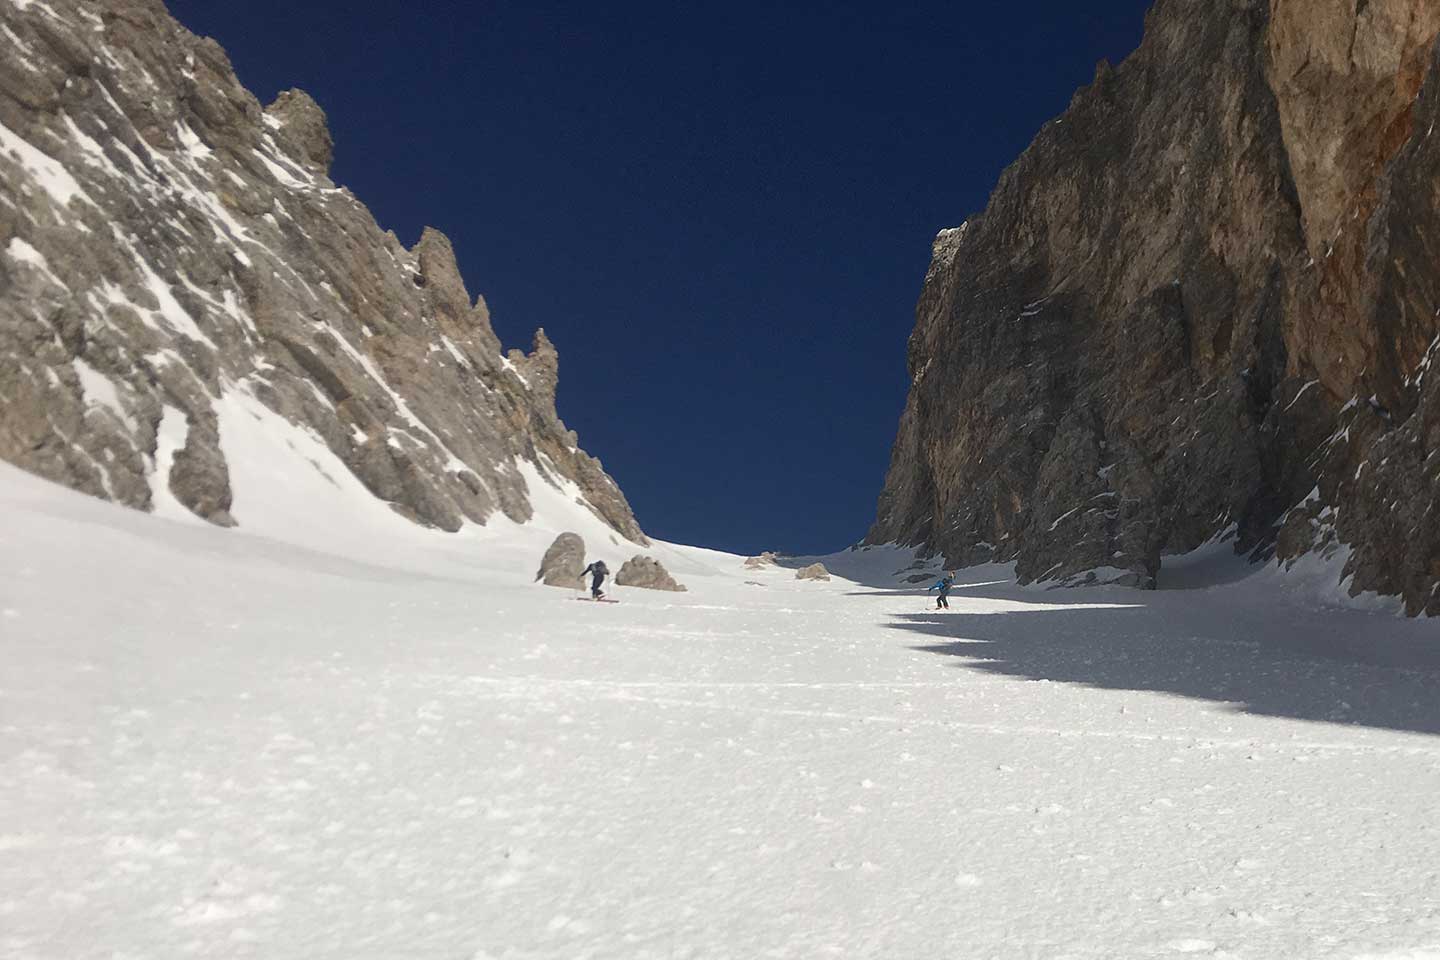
column 217, row 743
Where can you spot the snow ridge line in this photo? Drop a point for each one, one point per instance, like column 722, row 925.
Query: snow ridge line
column 619, row 694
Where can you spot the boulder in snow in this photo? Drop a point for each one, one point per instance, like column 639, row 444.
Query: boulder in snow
column 816, row 571
column 199, row 477
column 563, row 562
column 647, row 574
column 766, row 559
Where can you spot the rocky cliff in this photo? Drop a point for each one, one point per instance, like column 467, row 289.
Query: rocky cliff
column 1203, row 303
column 175, row 256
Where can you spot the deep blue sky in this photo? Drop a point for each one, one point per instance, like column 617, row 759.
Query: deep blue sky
column 721, row 214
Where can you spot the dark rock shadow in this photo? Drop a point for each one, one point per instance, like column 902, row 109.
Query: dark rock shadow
column 881, row 567
column 1212, row 565
column 959, row 588
column 1333, row 666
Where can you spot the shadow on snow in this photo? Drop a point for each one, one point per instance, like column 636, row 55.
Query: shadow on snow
column 1265, row 659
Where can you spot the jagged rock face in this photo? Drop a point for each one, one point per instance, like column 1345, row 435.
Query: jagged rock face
column 1202, row 302
column 647, row 573
column 176, row 257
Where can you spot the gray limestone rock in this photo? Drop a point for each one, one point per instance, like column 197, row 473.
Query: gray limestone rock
column 199, row 477
column 170, row 248
column 648, row 574
column 563, row 563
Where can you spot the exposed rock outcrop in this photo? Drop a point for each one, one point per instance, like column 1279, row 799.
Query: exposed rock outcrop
column 766, row 558
column 1203, row 303
column 646, row 573
column 175, row 253
column 816, row 571
column 564, row 563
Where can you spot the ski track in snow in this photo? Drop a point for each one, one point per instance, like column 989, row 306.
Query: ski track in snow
column 217, row 745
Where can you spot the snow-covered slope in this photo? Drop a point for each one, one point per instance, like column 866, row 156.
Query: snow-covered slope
column 218, row 743
column 289, row 487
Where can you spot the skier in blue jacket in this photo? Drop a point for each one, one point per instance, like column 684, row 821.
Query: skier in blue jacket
column 597, row 572
column 943, row 585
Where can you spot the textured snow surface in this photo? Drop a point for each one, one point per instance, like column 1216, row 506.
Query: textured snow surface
column 219, row 744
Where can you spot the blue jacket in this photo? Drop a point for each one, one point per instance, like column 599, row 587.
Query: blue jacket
column 943, row 584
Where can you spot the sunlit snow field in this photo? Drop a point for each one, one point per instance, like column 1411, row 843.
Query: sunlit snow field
column 223, row 744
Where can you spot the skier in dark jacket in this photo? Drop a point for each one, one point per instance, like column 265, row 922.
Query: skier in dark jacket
column 943, row 585
column 597, row 572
